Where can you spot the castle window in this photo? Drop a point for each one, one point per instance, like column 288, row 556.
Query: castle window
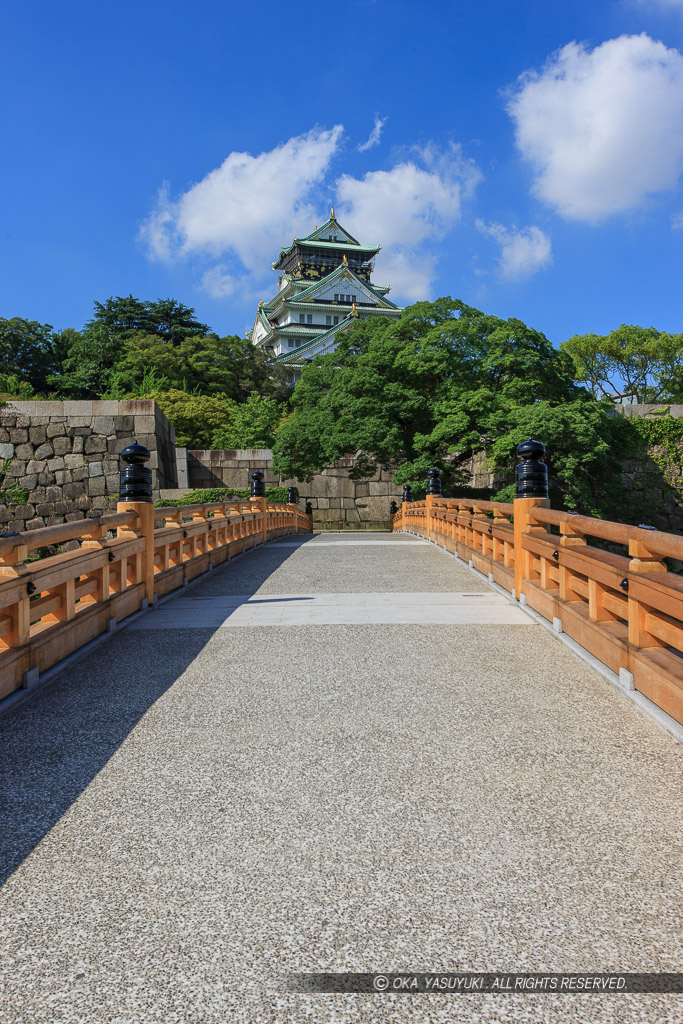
column 309, row 318
column 328, row 319
column 291, row 343
column 335, row 319
column 302, row 318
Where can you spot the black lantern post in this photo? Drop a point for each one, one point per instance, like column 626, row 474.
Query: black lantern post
column 135, row 480
column 531, row 474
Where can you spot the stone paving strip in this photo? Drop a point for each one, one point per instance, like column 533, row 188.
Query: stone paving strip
column 191, row 816
column 333, row 609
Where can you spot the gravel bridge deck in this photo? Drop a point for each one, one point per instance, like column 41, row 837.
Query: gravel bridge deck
column 339, row 752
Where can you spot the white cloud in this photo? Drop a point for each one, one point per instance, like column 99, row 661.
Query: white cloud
column 374, row 136
column 523, row 251
column 602, row 128
column 247, row 208
column 677, row 221
column 676, row 4
column 406, row 210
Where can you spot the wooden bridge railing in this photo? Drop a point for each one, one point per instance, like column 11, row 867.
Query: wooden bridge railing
column 53, row 604
column 624, row 608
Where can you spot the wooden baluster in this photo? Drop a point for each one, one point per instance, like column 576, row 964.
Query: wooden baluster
column 95, row 538
column 571, row 537
column 12, row 566
column 642, row 560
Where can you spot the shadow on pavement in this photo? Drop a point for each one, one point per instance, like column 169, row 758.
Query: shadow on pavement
column 54, row 744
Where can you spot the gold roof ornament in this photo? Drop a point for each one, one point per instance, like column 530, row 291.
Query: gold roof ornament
column 354, row 311
column 260, row 303
column 344, row 260
column 332, row 216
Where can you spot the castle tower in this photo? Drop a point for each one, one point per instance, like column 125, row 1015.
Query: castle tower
column 324, row 287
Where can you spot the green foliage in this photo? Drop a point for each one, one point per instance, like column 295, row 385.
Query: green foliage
column 663, row 437
column 632, row 360
column 254, row 424
column 215, row 494
column 12, row 495
column 29, row 351
column 13, row 387
column 127, row 316
column 195, row 417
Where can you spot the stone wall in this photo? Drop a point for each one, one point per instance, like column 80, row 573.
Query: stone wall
column 338, row 501
column 66, row 455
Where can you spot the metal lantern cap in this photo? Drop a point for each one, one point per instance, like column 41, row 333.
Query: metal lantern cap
column 135, row 453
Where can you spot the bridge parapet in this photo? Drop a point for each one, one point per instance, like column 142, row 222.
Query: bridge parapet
column 54, row 602
column 624, row 607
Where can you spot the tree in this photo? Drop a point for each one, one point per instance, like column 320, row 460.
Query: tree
column 208, row 365
column 195, row 417
column 89, row 361
column 638, row 361
column 441, row 384
column 29, row 351
column 254, row 424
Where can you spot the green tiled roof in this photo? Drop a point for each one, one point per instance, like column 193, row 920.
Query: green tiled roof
column 326, row 227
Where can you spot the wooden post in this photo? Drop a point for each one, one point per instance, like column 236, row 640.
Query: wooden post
column 531, row 484
column 433, row 493
column 144, row 527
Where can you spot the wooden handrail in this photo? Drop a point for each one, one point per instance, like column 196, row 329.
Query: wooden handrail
column 47, row 536
column 625, row 609
column 53, row 605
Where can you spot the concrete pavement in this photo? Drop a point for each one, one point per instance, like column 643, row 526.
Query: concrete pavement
column 190, row 815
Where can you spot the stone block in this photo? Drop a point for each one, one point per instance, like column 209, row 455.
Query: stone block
column 24, row 511
column 29, row 481
column 35, row 524
column 110, row 407
column 4, row 434
column 73, row 461
column 77, row 444
column 144, row 425
column 17, row 469
column 351, row 515
column 25, row 451
column 60, row 508
column 94, row 443
column 79, row 432
column 54, row 464
column 23, row 421
column 103, row 425
column 334, row 502
column 62, row 477
column 5, row 515
column 82, row 502
column 74, row 489
column 18, row 436
column 112, row 483
column 78, row 422
column 362, row 490
column 96, row 485
column 55, row 429
column 115, row 445
column 53, row 494
column 80, row 473
column 95, row 469
column 44, row 451
column 6, row 451
column 45, row 509
column 326, row 515
column 124, row 423
column 73, row 517
column 54, row 520
column 374, row 509
column 61, row 445
column 36, row 495
column 46, row 477
column 81, row 408
column 348, row 502
column 323, row 503
column 381, row 489
column 37, row 435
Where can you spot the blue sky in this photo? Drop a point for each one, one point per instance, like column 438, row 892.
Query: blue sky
column 525, row 158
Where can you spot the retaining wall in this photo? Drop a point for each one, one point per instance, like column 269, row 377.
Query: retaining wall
column 66, row 455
